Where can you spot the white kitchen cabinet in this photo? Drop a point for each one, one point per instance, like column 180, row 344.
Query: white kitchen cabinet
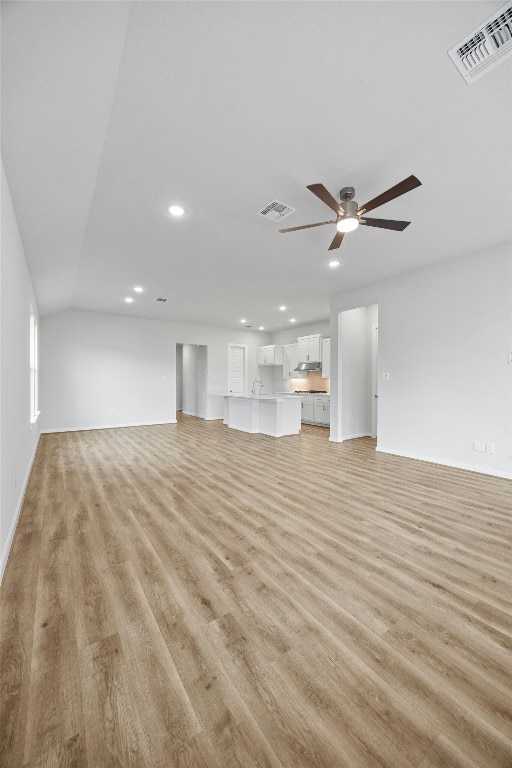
column 272, row 354
column 291, row 361
column 307, row 409
column 310, row 348
column 321, row 410
column 316, row 409
column 326, row 358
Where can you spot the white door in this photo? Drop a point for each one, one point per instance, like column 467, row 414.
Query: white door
column 375, row 378
column 236, row 368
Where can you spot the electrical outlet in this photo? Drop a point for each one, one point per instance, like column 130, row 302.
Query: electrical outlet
column 479, row 446
column 489, row 447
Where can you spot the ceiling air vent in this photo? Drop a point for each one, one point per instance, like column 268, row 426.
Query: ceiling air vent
column 160, row 299
column 275, row 211
column 486, row 46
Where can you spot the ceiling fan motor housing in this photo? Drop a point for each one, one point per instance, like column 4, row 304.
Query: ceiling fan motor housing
column 347, row 193
column 349, row 207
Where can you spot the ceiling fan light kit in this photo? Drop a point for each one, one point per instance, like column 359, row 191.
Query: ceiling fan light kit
column 348, row 220
column 347, row 224
column 349, row 215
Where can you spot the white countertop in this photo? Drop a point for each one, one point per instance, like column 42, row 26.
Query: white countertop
column 275, row 396
column 305, row 394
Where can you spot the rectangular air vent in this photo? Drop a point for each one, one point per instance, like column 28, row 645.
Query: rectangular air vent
column 160, row 298
column 486, row 46
column 275, row 211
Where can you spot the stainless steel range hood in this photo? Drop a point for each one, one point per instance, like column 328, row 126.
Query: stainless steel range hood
column 312, row 366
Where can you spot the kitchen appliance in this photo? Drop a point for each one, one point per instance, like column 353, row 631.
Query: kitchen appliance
column 349, row 215
column 311, row 366
column 309, row 392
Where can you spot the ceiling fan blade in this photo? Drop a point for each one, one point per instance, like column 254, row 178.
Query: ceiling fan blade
column 386, row 223
column 399, row 189
column 307, row 226
column 336, row 242
column 320, row 191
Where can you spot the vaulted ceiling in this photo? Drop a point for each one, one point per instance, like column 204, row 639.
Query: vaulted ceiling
column 111, row 111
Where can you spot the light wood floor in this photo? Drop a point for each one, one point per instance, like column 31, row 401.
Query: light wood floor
column 188, row 595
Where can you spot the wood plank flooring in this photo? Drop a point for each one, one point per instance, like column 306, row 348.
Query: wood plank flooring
column 188, row 595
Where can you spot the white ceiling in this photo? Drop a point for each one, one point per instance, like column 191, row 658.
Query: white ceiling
column 112, row 111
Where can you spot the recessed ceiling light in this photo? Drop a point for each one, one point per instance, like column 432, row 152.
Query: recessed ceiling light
column 334, row 263
column 243, row 321
column 283, row 309
column 128, row 299
column 176, row 210
column 138, row 288
column 292, row 319
column 261, row 328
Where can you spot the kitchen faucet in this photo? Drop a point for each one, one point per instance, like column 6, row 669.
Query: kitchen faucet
column 254, row 387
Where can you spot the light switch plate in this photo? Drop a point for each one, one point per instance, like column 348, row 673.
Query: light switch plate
column 385, row 377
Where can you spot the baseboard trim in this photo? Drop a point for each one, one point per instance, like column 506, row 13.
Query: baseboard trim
column 444, row 463
column 12, row 531
column 107, row 426
column 356, row 435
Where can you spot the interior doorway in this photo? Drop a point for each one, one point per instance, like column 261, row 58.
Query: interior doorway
column 358, row 384
column 191, row 385
column 179, row 377
column 375, row 379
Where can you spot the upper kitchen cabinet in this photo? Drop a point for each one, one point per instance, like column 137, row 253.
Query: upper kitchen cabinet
column 326, row 358
column 310, row 348
column 272, row 354
column 291, row 361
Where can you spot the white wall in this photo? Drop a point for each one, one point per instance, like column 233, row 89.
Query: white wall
column 102, row 370
column 18, row 437
column 445, row 333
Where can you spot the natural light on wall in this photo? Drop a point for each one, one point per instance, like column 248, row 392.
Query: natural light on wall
column 34, row 368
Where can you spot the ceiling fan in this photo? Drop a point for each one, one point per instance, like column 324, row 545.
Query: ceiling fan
column 349, row 215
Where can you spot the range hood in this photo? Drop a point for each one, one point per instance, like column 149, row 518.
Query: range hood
column 312, row 366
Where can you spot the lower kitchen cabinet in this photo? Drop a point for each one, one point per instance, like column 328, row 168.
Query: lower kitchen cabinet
column 322, row 411
column 316, row 410
column 307, row 410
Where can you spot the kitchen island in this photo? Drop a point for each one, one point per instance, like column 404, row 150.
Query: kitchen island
column 274, row 415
